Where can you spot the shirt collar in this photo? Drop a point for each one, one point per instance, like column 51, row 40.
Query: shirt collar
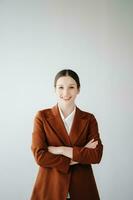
column 69, row 116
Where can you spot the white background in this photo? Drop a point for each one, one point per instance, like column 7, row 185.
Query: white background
column 37, row 39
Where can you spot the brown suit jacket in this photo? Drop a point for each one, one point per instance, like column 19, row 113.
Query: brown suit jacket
column 56, row 177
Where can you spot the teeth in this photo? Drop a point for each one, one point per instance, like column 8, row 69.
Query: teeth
column 67, row 99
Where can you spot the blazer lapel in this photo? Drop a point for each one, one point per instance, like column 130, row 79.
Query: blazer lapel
column 79, row 123
column 57, row 124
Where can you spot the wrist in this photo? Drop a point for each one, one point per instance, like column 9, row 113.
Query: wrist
column 62, row 150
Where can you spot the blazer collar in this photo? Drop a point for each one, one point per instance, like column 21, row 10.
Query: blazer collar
column 79, row 123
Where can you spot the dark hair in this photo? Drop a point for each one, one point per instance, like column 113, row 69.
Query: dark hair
column 67, row 72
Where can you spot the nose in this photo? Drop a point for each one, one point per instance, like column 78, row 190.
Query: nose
column 65, row 93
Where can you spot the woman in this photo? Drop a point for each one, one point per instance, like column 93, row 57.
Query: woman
column 65, row 142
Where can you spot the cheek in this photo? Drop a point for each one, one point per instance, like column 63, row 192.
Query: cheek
column 74, row 96
column 75, row 93
column 58, row 93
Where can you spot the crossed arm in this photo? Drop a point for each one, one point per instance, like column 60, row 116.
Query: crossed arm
column 62, row 157
column 68, row 151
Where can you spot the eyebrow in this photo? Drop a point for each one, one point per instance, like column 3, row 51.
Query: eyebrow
column 62, row 84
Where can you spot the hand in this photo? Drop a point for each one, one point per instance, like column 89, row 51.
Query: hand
column 73, row 162
column 62, row 150
column 91, row 144
column 55, row 150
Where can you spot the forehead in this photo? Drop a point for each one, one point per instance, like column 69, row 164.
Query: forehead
column 66, row 80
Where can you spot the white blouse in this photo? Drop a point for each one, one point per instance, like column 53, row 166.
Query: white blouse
column 68, row 120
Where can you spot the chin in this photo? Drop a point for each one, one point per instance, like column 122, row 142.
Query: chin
column 68, row 103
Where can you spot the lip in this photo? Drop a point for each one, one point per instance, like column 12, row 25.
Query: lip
column 66, row 99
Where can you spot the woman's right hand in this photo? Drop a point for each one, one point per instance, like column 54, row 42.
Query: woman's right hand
column 92, row 144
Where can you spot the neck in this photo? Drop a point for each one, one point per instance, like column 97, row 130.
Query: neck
column 66, row 109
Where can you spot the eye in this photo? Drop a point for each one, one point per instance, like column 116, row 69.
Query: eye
column 71, row 87
column 61, row 87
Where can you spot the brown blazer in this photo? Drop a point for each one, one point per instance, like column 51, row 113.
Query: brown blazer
column 56, row 177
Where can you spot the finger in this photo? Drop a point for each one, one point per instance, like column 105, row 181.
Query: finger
column 91, row 141
column 94, row 144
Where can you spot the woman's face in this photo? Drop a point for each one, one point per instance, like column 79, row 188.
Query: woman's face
column 66, row 90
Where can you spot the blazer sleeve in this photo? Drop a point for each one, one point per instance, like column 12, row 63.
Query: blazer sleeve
column 40, row 151
column 86, row 155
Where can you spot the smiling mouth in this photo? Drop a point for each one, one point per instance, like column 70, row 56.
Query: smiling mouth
column 66, row 99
